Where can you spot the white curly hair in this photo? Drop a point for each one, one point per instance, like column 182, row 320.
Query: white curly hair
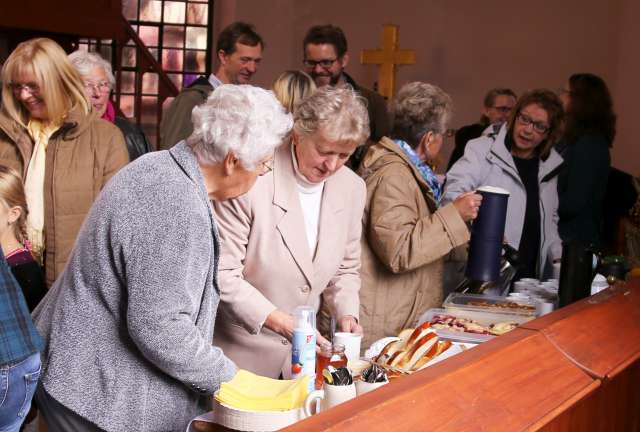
column 245, row 120
column 85, row 62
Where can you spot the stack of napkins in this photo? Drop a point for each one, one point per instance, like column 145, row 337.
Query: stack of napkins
column 250, row 392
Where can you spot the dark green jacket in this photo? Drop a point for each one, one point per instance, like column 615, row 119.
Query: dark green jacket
column 176, row 122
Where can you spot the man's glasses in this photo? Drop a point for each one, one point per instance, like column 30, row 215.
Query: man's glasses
column 326, row 64
column 539, row 127
column 31, row 88
column 101, row 87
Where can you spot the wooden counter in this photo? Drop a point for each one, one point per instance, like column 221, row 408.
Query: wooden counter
column 577, row 369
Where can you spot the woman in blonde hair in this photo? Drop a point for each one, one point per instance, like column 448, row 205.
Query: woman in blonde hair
column 64, row 153
column 291, row 87
column 13, row 238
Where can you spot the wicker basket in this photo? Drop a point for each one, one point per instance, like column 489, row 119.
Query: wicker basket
column 254, row 421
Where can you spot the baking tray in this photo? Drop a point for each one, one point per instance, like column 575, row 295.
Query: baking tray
column 482, row 318
column 492, row 304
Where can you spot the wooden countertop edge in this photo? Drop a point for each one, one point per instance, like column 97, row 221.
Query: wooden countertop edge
column 551, row 415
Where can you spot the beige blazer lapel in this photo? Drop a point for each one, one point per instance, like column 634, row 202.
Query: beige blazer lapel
column 330, row 222
column 291, row 225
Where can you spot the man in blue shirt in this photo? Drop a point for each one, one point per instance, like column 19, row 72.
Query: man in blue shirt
column 20, row 346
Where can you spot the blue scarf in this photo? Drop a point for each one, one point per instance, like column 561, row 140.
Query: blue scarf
column 424, row 170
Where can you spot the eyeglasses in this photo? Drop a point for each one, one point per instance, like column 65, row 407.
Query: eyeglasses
column 503, row 109
column 539, row 127
column 102, row 86
column 31, row 88
column 267, row 167
column 326, row 64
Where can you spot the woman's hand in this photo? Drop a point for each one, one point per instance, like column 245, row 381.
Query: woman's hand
column 348, row 324
column 282, row 323
column 467, row 205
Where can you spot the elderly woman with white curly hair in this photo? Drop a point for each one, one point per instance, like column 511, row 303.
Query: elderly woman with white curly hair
column 128, row 326
column 97, row 77
column 295, row 236
column 407, row 233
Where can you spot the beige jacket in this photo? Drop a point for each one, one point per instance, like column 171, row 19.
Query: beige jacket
column 266, row 263
column 404, row 244
column 81, row 156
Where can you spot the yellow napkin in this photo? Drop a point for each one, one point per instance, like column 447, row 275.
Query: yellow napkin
column 250, row 392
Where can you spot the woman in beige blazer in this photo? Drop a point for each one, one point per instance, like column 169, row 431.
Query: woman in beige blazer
column 294, row 237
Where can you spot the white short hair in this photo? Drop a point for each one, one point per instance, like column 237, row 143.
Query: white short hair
column 339, row 113
column 85, row 62
column 245, row 120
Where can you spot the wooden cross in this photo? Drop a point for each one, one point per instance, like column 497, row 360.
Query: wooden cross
column 388, row 57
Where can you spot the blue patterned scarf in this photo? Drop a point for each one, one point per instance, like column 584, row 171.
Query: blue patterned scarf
column 424, row 170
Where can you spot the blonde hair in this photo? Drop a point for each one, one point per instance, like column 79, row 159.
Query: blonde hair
column 61, row 87
column 12, row 195
column 291, row 87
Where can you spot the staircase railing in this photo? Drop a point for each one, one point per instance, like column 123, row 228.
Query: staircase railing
column 145, row 63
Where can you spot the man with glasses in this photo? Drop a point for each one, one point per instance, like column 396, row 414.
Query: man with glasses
column 522, row 160
column 497, row 107
column 325, row 57
column 239, row 52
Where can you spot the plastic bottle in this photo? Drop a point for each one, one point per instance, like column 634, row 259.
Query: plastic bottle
column 303, row 346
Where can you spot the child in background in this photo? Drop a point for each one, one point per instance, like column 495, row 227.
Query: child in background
column 13, row 217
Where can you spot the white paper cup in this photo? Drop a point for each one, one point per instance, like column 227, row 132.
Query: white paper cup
column 544, row 308
column 518, row 296
column 531, row 281
column 329, row 396
column 363, row 387
column 521, row 287
column 351, row 342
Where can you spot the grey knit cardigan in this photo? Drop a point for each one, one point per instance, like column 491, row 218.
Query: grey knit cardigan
column 128, row 325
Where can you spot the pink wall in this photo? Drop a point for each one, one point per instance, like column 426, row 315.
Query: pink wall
column 626, row 149
column 467, row 47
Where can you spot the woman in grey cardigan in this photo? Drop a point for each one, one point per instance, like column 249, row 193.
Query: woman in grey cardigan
column 128, row 325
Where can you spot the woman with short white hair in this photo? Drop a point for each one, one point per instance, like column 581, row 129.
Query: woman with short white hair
column 128, row 326
column 295, row 236
column 98, row 80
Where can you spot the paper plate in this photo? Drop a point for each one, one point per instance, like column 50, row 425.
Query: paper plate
column 377, row 346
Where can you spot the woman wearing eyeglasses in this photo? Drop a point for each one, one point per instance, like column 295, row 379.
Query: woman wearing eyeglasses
column 521, row 159
column 98, row 80
column 50, row 134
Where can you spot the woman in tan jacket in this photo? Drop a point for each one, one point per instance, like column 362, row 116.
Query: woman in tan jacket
column 406, row 233
column 50, row 135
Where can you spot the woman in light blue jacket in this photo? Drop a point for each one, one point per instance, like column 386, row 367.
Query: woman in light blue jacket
column 520, row 159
